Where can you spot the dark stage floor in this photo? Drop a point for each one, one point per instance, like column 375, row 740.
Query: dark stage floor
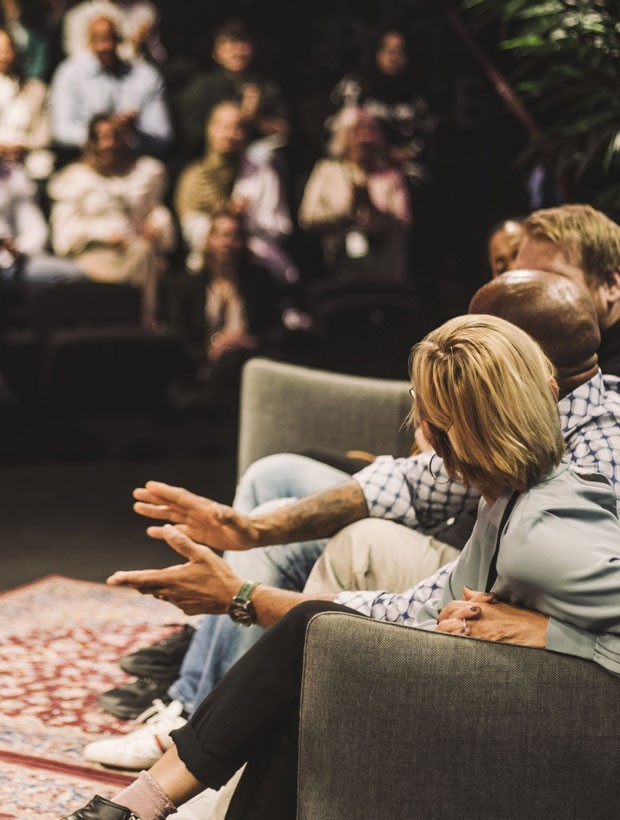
column 66, row 482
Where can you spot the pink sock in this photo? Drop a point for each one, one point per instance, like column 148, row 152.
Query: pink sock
column 145, row 798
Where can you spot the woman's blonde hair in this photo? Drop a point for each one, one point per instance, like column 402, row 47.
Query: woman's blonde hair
column 486, row 389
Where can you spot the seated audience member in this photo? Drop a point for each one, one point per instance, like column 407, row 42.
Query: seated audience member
column 584, row 244
column 358, row 204
column 503, row 245
column 24, row 233
column 24, row 22
column 225, row 310
column 108, row 214
column 228, row 178
column 536, row 509
column 234, row 79
column 24, row 123
column 392, row 546
column 100, row 81
column 386, row 87
column 137, row 22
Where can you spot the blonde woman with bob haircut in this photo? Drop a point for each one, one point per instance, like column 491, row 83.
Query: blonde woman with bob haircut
column 492, row 395
column 547, row 538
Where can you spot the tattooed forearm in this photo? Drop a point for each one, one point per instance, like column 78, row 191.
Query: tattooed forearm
column 317, row 516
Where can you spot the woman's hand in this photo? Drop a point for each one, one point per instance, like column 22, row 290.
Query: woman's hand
column 480, row 615
column 202, row 519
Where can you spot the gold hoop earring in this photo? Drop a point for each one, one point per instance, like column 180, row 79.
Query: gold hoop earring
column 433, row 476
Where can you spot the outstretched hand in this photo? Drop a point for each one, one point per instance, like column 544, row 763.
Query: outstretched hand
column 481, row 615
column 203, row 584
column 202, row 519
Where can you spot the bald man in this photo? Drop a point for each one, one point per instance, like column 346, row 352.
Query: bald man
column 100, row 82
column 556, row 311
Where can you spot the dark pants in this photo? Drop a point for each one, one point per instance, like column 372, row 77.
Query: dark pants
column 252, row 716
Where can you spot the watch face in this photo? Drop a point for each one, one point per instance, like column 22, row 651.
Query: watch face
column 242, row 613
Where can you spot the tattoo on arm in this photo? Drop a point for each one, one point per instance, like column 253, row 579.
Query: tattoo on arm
column 317, row 516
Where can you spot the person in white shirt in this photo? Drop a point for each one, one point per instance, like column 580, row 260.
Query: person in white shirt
column 108, row 214
column 24, row 123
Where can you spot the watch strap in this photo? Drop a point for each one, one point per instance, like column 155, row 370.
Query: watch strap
column 245, row 593
column 240, row 608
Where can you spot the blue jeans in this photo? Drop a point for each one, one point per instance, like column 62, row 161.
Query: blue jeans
column 218, row 642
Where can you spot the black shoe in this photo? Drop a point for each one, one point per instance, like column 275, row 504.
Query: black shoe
column 129, row 701
column 101, row 809
column 161, row 660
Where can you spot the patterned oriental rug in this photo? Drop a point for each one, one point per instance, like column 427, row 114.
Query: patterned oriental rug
column 60, row 641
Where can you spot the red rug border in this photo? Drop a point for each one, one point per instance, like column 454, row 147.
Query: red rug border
column 32, row 762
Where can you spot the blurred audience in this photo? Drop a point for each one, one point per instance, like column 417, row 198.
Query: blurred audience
column 386, row 86
column 25, row 24
column 108, row 214
column 137, row 22
column 24, row 124
column 227, row 177
column 503, row 243
column 233, row 78
column 24, row 233
column 226, row 310
column 101, row 81
column 358, row 203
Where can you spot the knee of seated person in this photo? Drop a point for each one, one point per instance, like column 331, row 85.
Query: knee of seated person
column 273, row 465
column 300, row 616
column 266, row 472
column 356, row 536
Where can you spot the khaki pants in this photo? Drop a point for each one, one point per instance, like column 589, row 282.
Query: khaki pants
column 377, row 554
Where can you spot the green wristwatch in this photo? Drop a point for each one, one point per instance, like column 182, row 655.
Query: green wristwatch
column 240, row 608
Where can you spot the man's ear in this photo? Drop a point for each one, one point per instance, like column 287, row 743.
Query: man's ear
column 611, row 288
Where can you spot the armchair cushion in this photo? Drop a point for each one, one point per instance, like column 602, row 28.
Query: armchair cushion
column 297, row 409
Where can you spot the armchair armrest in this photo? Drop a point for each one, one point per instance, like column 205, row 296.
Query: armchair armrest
column 405, row 724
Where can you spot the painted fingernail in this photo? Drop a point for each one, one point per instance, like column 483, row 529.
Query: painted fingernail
column 474, row 609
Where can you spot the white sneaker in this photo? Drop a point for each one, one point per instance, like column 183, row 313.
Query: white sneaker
column 144, row 746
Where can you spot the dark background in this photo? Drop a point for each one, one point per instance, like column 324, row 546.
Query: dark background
column 66, row 473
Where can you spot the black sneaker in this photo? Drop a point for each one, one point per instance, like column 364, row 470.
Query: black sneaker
column 129, row 701
column 101, row 809
column 161, row 660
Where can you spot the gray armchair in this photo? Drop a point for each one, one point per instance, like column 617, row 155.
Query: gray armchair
column 402, row 724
